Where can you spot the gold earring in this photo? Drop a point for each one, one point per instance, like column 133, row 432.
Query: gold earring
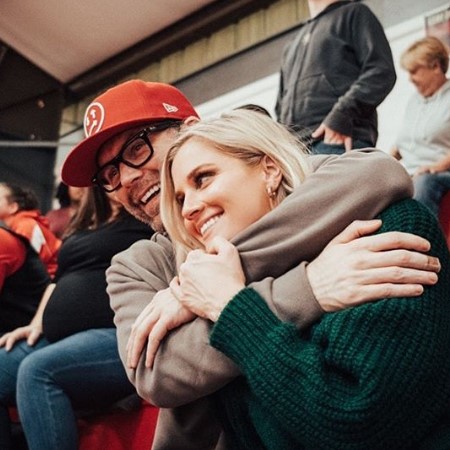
column 270, row 192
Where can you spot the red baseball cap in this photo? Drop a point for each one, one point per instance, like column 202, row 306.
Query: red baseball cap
column 122, row 107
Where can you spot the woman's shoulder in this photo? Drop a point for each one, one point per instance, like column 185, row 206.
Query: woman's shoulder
column 411, row 216
column 407, row 212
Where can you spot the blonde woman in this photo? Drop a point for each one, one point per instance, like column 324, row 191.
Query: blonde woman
column 372, row 376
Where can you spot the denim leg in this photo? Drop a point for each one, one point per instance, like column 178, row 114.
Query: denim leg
column 430, row 188
column 320, row 147
column 9, row 366
column 83, row 370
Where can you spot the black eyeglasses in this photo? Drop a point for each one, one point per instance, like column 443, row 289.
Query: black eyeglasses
column 137, row 151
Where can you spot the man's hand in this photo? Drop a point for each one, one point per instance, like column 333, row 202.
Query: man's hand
column 332, row 137
column 355, row 268
column 162, row 314
column 435, row 168
column 441, row 166
column 29, row 332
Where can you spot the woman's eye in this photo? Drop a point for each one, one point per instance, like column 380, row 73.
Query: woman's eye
column 202, row 178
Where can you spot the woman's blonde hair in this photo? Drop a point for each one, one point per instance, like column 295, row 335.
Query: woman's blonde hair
column 425, row 52
column 242, row 134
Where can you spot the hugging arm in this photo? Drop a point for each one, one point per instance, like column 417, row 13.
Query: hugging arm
column 354, row 186
column 185, row 367
column 185, row 359
column 362, row 377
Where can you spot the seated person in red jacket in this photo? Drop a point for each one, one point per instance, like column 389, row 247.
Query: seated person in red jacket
column 19, row 209
column 23, row 279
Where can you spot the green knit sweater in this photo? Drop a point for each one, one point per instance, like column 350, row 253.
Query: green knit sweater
column 375, row 376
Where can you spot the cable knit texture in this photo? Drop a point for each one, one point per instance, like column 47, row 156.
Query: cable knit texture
column 370, row 377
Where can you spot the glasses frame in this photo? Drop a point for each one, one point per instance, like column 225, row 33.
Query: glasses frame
column 118, row 159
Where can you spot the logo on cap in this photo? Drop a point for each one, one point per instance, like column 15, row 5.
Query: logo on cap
column 170, row 108
column 94, row 118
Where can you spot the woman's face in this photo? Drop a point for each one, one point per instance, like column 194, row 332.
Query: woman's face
column 218, row 195
column 427, row 80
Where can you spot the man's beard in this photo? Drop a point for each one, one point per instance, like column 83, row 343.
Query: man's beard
column 154, row 221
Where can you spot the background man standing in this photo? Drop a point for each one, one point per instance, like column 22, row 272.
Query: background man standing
column 334, row 74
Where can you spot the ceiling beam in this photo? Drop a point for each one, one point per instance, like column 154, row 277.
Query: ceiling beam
column 202, row 23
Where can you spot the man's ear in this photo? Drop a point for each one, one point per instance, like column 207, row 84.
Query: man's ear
column 272, row 173
column 191, row 120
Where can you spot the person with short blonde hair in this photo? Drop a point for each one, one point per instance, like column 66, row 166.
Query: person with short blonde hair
column 423, row 142
column 425, row 52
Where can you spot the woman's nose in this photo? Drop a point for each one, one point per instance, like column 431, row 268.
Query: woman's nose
column 191, row 206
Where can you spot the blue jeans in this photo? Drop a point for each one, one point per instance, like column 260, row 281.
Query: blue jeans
column 49, row 381
column 430, row 188
column 320, row 148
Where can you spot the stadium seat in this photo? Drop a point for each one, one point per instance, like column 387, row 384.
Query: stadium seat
column 119, row 430
column 116, row 429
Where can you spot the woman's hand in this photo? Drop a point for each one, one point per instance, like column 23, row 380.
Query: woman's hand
column 355, row 268
column 208, row 281
column 182, row 302
column 163, row 314
column 31, row 333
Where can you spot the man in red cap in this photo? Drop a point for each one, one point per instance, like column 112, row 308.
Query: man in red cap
column 129, row 130
column 133, row 112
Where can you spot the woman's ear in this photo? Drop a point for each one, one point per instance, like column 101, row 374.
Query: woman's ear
column 272, row 173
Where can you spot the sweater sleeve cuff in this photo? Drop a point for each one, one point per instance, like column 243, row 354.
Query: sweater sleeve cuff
column 242, row 325
column 340, row 122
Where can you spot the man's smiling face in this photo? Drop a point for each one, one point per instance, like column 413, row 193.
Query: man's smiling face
column 140, row 187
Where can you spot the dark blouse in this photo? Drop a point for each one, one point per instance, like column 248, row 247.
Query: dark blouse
column 79, row 301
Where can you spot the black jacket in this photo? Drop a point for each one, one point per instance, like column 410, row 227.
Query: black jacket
column 336, row 70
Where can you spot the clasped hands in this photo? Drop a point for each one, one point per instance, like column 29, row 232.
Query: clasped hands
column 355, row 267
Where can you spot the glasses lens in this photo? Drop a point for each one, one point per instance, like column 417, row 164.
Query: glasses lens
column 137, row 152
column 109, row 177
